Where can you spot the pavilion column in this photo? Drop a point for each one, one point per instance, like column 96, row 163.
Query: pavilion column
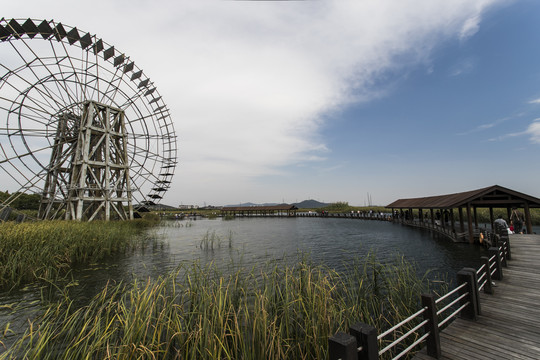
column 475, row 218
column 528, row 222
column 452, row 221
column 461, row 226
column 508, row 214
column 491, row 219
column 420, row 216
column 469, row 223
column 443, row 220
column 432, row 218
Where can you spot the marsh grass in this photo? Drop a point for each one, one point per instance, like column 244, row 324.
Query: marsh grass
column 47, row 250
column 274, row 311
column 211, row 241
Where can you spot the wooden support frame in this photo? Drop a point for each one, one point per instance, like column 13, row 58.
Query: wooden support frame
column 99, row 180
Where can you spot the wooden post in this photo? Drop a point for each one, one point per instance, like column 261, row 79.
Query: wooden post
column 469, row 311
column 475, row 218
column 432, row 218
column 488, row 288
column 366, row 338
column 528, row 223
column 342, row 346
column 469, row 223
column 461, row 226
column 508, row 250
column 497, row 275
column 452, row 220
column 491, row 219
column 433, row 341
column 475, row 289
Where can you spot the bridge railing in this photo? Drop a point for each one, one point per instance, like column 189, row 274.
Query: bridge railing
column 423, row 327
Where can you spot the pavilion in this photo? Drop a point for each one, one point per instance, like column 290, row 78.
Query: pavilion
column 492, row 197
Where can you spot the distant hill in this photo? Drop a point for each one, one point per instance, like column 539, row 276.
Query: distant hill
column 310, row 204
column 251, row 204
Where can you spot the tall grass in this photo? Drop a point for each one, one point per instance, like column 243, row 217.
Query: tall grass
column 48, row 249
column 270, row 312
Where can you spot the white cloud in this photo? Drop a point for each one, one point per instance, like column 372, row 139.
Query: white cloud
column 249, row 82
column 534, row 131
column 470, row 27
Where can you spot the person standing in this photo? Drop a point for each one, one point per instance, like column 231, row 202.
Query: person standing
column 517, row 219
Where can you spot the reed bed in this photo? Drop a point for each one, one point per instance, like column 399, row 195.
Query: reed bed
column 46, row 250
column 274, row 311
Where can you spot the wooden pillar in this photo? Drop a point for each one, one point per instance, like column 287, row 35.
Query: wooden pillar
column 442, row 219
column 508, row 214
column 461, row 225
column 453, row 227
column 491, row 219
column 469, row 223
column 475, row 218
column 528, row 223
column 432, row 218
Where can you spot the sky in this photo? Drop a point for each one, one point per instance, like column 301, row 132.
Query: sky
column 333, row 100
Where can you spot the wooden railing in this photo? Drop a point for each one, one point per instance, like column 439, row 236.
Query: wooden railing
column 423, row 327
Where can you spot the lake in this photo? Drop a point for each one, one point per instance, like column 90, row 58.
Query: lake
column 253, row 241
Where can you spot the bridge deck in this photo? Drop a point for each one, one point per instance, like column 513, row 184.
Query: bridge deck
column 509, row 324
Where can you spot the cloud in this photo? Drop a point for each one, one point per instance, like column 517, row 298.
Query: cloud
column 464, row 66
column 250, row 83
column 536, row 101
column 490, row 125
column 534, row 131
column 470, row 27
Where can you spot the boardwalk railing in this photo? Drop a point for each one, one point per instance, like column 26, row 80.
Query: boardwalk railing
column 423, row 327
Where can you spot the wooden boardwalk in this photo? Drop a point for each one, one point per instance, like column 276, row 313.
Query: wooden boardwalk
column 509, row 324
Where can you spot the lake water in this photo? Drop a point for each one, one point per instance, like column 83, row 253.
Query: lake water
column 253, row 241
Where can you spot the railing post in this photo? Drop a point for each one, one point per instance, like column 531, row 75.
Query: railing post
column 465, row 277
column 497, row 275
column 433, row 341
column 508, row 252
column 366, row 338
column 503, row 255
column 342, row 346
column 488, row 288
column 475, row 289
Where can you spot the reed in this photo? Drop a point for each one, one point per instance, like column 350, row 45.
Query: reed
column 274, row 311
column 48, row 249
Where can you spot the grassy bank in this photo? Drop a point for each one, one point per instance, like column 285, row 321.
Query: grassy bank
column 48, row 249
column 274, row 312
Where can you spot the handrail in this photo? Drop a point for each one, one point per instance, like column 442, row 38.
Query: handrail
column 404, row 336
column 449, row 294
column 406, row 351
column 452, row 303
column 474, row 279
column 401, row 323
column 454, row 314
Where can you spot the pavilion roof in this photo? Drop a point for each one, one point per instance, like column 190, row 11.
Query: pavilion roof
column 491, row 196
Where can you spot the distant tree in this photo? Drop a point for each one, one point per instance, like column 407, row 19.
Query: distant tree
column 23, row 201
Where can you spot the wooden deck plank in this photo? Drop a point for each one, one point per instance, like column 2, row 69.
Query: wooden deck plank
column 509, row 324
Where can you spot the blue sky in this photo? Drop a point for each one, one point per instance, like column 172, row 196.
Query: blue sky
column 334, row 100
